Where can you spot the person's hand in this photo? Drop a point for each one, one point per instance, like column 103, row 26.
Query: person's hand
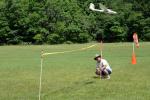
column 97, row 69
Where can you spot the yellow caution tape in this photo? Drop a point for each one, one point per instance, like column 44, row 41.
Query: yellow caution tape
column 52, row 53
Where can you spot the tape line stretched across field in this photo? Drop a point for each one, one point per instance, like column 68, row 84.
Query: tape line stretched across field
column 52, row 53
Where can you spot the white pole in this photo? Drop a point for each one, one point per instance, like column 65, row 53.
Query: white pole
column 40, row 86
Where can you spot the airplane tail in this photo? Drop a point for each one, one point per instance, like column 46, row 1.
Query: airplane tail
column 92, row 6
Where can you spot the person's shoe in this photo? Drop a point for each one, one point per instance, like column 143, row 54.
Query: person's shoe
column 108, row 77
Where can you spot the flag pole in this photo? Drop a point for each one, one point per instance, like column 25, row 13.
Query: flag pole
column 133, row 47
column 40, row 85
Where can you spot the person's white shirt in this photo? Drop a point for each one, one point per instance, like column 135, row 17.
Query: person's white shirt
column 103, row 63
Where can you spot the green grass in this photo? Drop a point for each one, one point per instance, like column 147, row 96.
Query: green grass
column 70, row 76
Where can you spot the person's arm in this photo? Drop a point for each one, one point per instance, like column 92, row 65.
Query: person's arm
column 103, row 67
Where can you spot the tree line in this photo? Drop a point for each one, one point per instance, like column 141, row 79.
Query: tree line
column 71, row 21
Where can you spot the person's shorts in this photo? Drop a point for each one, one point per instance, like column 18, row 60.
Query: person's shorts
column 109, row 72
column 103, row 73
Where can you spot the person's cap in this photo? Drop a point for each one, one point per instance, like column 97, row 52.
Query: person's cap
column 96, row 56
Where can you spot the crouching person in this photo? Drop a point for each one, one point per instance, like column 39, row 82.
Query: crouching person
column 102, row 67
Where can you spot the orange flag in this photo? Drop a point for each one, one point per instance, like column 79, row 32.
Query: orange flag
column 135, row 39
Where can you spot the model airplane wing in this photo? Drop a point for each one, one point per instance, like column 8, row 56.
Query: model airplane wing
column 109, row 11
column 103, row 7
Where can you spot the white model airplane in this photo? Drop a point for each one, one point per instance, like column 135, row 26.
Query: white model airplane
column 103, row 9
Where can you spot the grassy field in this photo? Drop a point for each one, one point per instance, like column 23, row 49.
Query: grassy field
column 70, row 76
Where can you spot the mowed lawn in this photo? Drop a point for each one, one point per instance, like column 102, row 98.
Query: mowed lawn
column 70, row 76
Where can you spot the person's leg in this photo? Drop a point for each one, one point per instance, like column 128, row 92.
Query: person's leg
column 102, row 75
column 106, row 72
column 97, row 72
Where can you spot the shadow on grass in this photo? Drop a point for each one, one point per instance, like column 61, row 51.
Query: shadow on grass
column 89, row 82
column 96, row 77
column 75, row 86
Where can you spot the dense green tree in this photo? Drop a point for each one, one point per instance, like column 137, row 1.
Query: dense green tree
column 71, row 21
